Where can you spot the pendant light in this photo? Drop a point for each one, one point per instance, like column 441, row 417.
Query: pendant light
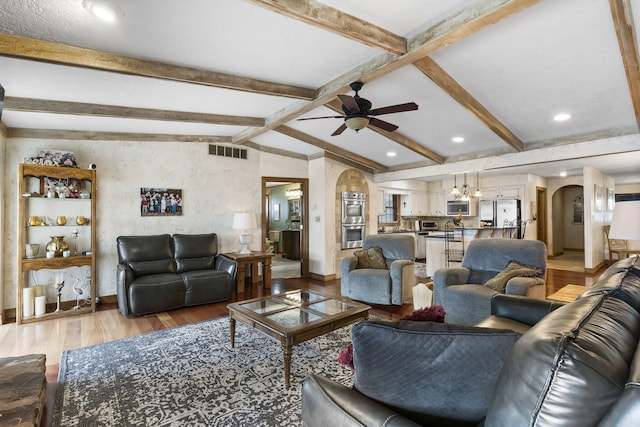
column 465, row 189
column 478, row 193
column 454, row 190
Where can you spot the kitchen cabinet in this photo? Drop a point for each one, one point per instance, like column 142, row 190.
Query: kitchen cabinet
column 503, row 192
column 414, row 203
column 436, row 203
column 61, row 202
column 421, row 246
column 290, row 244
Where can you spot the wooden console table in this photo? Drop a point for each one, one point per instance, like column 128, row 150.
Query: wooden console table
column 252, row 259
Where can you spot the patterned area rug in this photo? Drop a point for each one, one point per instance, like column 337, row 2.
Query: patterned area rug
column 189, row 376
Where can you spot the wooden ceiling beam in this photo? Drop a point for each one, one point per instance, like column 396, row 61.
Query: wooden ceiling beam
column 81, row 135
column 465, row 23
column 44, row 51
column 625, row 30
column 439, row 76
column 396, row 137
column 85, row 109
column 336, row 21
column 293, row 133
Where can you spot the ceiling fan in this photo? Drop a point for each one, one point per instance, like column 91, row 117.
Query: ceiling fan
column 358, row 112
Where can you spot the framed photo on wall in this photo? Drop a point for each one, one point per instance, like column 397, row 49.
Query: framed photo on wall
column 610, row 199
column 276, row 211
column 597, row 198
column 160, row 202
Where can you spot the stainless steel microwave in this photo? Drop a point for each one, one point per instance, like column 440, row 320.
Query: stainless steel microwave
column 464, row 207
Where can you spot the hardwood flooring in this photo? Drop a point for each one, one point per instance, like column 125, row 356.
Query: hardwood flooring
column 52, row 337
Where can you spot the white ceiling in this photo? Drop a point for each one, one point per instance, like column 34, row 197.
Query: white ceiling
column 551, row 56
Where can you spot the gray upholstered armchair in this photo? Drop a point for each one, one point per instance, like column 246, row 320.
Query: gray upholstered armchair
column 462, row 290
column 390, row 285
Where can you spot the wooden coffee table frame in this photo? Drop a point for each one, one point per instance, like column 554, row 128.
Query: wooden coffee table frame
column 290, row 336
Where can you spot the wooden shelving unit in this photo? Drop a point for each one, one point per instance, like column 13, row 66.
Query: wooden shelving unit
column 32, row 192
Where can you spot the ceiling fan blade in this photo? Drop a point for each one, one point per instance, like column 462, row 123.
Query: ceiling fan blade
column 409, row 106
column 350, row 104
column 389, row 127
column 323, row 117
column 339, row 130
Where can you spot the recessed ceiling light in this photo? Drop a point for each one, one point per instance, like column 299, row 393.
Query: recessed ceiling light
column 563, row 174
column 103, row 9
column 391, row 153
column 561, row 117
column 457, row 139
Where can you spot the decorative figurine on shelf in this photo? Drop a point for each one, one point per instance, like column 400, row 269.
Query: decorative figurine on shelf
column 75, row 233
column 80, row 288
column 59, row 283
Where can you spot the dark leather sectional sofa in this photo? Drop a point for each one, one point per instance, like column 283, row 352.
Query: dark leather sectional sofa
column 531, row 363
column 163, row 272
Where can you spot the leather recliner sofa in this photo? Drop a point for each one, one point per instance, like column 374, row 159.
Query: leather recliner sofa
column 531, row 363
column 162, row 272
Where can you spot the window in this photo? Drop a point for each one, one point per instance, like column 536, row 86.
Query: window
column 391, row 203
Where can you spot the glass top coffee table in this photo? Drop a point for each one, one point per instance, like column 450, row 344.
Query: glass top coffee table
column 294, row 317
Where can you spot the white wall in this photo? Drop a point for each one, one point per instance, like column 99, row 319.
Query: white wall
column 214, row 188
column 3, row 142
column 321, row 205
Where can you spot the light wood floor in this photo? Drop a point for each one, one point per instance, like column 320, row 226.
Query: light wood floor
column 52, row 337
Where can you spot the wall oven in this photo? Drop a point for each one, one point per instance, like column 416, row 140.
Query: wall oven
column 353, row 208
column 352, row 235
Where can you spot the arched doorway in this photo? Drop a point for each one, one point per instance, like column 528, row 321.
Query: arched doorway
column 566, row 246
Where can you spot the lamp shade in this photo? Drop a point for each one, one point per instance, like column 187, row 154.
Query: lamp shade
column 244, row 221
column 625, row 224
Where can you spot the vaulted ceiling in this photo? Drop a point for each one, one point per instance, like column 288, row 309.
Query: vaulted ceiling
column 494, row 72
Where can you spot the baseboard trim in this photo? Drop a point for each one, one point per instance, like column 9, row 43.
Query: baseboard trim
column 600, row 265
column 321, row 277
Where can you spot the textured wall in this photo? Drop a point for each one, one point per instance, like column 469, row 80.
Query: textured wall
column 214, row 187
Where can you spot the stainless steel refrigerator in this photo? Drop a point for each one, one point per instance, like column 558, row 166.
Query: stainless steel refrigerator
column 509, row 210
column 488, row 213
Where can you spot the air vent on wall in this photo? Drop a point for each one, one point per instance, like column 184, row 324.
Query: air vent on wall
column 227, row 151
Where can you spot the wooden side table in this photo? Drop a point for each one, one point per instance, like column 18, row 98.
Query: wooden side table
column 568, row 293
column 252, row 259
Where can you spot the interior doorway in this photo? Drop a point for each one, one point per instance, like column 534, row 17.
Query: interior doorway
column 287, row 217
column 541, row 215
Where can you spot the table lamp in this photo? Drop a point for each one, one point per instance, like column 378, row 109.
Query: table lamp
column 625, row 224
column 244, row 221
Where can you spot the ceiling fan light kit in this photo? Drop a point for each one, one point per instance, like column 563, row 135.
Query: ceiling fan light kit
column 357, row 123
column 358, row 112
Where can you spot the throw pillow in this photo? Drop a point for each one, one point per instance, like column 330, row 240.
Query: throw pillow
column 513, row 269
column 371, row 258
